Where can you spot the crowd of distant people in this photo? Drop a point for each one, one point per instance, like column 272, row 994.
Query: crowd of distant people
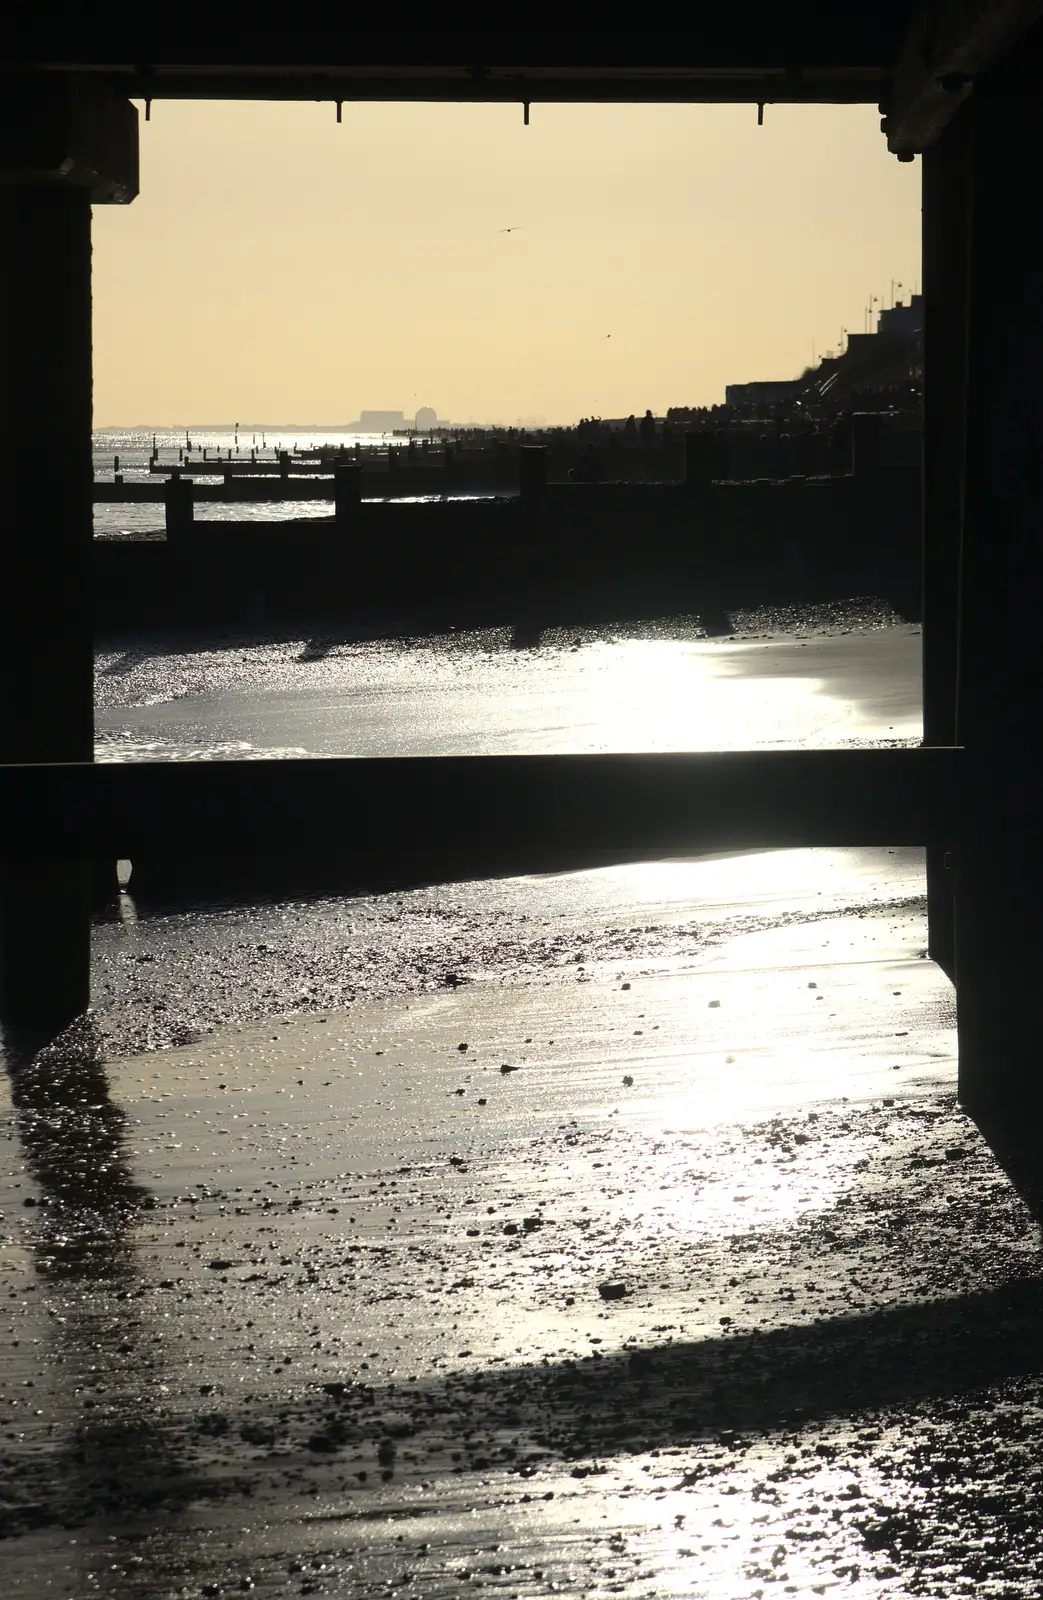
column 805, row 435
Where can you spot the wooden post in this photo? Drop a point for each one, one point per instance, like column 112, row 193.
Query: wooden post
column 532, row 478
column 177, row 498
column 999, row 868
column 46, row 647
column 347, row 492
column 946, row 243
column 63, row 143
column 532, row 554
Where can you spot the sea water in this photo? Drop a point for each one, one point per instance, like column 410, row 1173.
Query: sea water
column 135, row 446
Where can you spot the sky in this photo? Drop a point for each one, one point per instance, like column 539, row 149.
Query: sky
column 278, row 267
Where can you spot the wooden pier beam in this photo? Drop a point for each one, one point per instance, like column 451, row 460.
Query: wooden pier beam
column 480, row 807
column 62, row 144
column 999, row 870
column 946, row 242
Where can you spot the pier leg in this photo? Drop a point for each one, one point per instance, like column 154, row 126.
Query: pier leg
column 46, row 662
column 63, row 142
column 946, row 242
column 999, row 869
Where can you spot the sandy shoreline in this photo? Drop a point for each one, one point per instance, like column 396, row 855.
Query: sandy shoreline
column 328, row 1305
column 171, row 978
column 844, row 676
column 811, row 680
column 686, row 1277
column 358, row 1330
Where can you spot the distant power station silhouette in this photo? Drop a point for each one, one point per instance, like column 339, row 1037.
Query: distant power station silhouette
column 381, row 421
column 395, row 421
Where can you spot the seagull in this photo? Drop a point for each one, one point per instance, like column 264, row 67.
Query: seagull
column 511, row 230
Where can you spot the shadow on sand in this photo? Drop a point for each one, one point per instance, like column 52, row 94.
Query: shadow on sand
column 116, row 1457
column 70, row 1130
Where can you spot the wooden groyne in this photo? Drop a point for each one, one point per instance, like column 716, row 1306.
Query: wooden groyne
column 741, row 453
column 549, row 551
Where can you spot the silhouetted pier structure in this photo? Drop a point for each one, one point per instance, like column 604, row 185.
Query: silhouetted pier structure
column 956, row 82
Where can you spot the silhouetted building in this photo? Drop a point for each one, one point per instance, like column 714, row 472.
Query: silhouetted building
column 903, row 319
column 762, row 394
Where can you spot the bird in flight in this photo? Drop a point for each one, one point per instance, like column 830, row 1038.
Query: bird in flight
column 511, row 230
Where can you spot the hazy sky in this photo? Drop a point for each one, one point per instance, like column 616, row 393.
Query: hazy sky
column 277, row 267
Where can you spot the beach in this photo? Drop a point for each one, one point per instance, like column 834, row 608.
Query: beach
column 600, row 1232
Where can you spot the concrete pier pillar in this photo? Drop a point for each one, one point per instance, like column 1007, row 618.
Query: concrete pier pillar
column 999, row 867
column 946, row 243
column 62, row 144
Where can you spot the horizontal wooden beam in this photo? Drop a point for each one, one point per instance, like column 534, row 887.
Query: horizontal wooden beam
column 492, row 808
column 948, row 45
column 723, row 88
column 760, row 34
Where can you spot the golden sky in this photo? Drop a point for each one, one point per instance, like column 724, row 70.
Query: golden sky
column 277, row 267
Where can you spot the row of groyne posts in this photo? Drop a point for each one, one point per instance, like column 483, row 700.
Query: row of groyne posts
column 974, row 796
column 393, row 459
column 504, row 531
column 346, row 477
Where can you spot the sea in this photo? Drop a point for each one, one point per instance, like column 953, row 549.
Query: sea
column 134, row 448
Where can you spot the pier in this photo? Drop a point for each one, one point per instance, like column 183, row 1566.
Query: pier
column 614, row 1232
column 961, row 89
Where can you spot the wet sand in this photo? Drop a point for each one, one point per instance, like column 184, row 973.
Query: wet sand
column 686, row 1277
column 170, row 978
column 844, row 680
column 336, row 1306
